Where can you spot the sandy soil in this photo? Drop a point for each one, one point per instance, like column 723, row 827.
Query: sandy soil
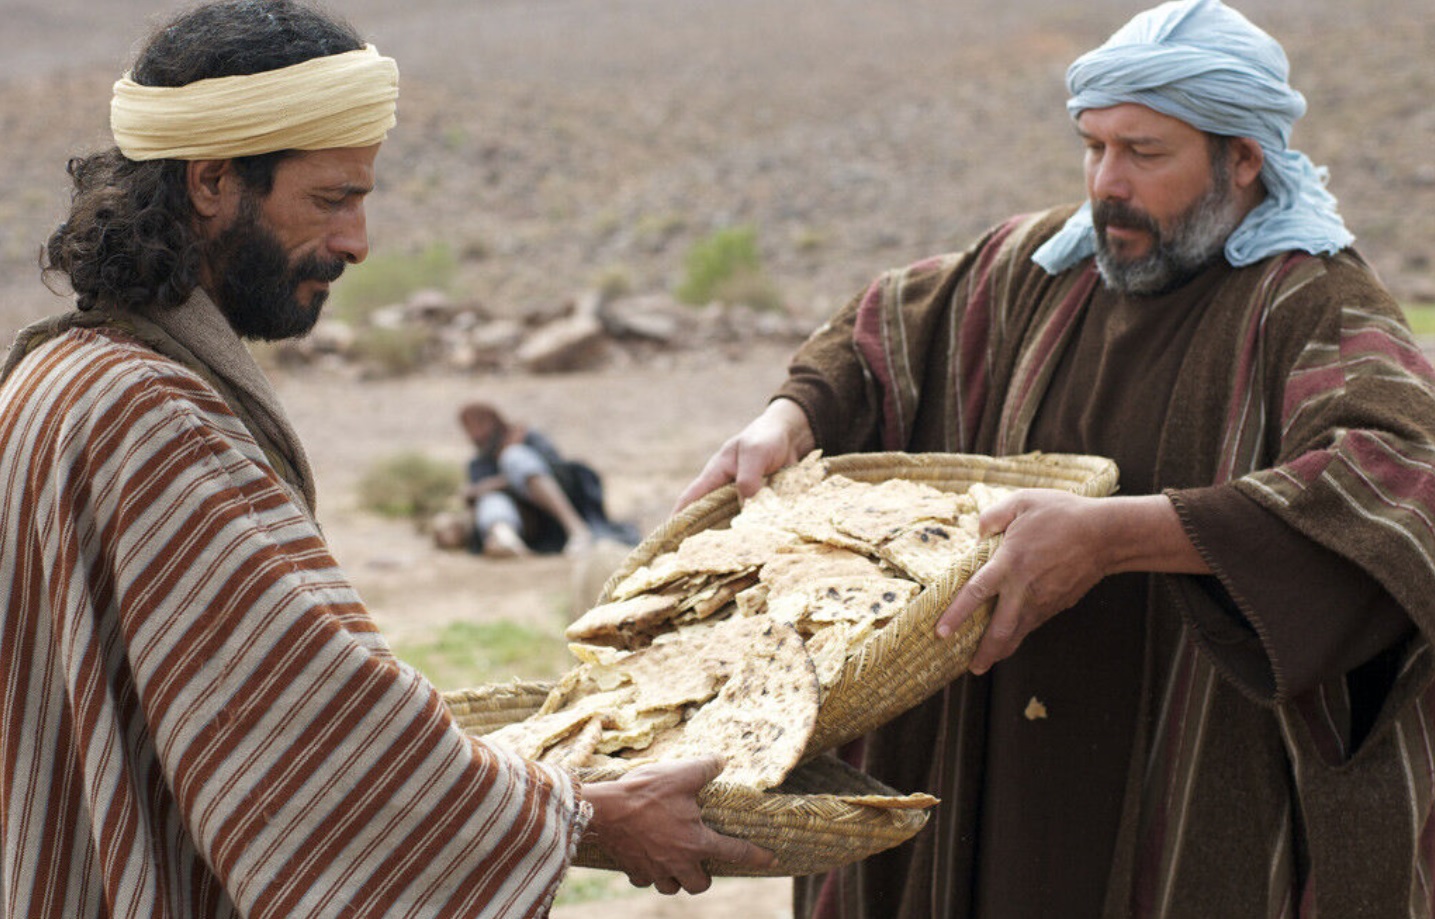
column 548, row 142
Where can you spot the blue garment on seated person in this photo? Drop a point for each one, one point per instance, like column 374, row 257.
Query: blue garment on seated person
column 542, row 532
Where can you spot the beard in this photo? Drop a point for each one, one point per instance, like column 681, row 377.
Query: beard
column 257, row 287
column 1194, row 240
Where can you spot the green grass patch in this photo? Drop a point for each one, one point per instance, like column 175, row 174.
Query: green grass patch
column 409, row 485
column 384, row 279
column 587, row 885
column 1421, row 317
column 462, row 655
column 726, row 266
column 392, row 352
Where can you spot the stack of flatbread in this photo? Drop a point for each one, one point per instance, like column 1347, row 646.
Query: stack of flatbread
column 728, row 642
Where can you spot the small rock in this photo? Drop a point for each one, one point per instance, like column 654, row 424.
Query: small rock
column 574, row 343
column 656, row 317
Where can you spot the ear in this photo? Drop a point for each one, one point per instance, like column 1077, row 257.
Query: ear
column 1247, row 158
column 213, row 188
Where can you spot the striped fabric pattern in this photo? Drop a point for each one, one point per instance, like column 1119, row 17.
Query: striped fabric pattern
column 200, row 718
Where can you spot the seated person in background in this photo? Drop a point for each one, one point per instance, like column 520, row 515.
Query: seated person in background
column 525, row 497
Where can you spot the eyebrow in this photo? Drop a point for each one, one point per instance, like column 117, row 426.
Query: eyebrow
column 347, row 188
column 1130, row 140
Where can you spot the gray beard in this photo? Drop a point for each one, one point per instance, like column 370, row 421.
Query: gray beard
column 1196, row 239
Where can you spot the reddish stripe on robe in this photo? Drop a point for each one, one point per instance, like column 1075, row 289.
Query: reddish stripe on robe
column 313, row 750
column 1395, row 483
column 406, row 856
column 523, row 837
column 1398, row 482
column 1377, row 341
column 1308, row 467
column 1241, row 374
column 311, row 746
column 1244, row 370
column 1320, row 720
column 971, row 370
column 1052, row 334
column 869, row 339
column 1307, row 384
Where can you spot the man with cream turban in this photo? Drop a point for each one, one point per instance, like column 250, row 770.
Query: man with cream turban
column 201, row 719
column 1232, row 654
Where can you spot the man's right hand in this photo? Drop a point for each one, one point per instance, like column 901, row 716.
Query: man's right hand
column 779, row 437
column 650, row 824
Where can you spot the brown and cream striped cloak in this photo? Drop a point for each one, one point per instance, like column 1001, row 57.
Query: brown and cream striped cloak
column 1253, row 744
column 200, row 719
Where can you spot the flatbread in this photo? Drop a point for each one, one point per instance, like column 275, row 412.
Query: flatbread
column 702, row 649
column 832, row 646
column 707, row 552
column 628, row 623
column 762, row 718
column 874, row 513
column 532, row 737
column 808, row 514
column 575, row 749
column 715, row 595
column 928, row 550
column 799, row 477
column 811, row 604
column 634, row 730
column 795, row 564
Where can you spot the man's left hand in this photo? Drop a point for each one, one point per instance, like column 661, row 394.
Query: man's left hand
column 1055, row 547
column 1049, row 557
column 650, row 824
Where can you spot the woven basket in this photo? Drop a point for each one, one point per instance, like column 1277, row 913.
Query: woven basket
column 902, row 664
column 488, row 708
column 805, row 821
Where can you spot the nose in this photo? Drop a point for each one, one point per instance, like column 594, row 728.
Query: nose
column 350, row 237
column 1106, row 179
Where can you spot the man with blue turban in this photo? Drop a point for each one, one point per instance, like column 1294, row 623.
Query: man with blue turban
column 1233, row 655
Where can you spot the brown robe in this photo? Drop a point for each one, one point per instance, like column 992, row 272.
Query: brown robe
column 1076, row 814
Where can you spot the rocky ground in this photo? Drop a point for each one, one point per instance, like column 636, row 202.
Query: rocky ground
column 551, row 145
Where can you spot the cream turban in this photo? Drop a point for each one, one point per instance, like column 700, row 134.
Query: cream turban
column 1206, row 64
column 337, row 100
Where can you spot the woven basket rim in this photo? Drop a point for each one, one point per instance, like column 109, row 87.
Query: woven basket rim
column 1080, row 473
column 810, row 832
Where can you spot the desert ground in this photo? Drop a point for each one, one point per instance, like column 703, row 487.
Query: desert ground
column 551, row 143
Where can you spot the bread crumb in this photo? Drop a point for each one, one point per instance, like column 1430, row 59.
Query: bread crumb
column 1034, row 709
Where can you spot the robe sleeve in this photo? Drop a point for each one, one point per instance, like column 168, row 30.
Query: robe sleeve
column 828, row 382
column 866, row 378
column 1353, row 430
column 1287, row 613
column 1322, row 548
column 317, row 774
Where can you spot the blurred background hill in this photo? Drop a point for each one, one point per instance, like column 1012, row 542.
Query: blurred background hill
column 551, row 143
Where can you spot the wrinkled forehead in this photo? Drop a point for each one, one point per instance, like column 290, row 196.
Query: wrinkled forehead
column 1131, row 120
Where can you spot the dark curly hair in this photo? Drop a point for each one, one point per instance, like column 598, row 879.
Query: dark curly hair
column 129, row 240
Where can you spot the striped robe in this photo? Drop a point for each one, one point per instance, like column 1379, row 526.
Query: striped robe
column 200, row 718
column 1249, row 793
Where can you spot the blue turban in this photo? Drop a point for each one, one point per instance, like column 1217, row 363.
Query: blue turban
column 1206, row 64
